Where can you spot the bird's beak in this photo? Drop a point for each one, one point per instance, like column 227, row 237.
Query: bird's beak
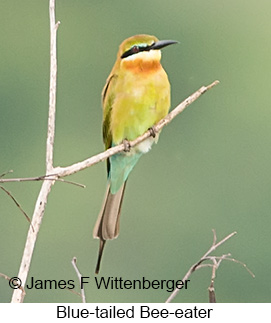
column 163, row 43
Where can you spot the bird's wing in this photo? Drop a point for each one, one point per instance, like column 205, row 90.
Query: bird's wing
column 107, row 100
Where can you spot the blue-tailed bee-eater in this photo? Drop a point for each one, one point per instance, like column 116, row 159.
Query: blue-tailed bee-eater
column 135, row 97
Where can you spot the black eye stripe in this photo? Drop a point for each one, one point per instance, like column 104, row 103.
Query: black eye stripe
column 136, row 49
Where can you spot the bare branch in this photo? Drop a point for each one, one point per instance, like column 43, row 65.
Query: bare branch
column 214, row 238
column 69, row 170
column 31, row 238
column 211, row 288
column 14, row 282
column 5, row 173
column 27, row 179
column 52, row 92
column 49, row 177
column 17, row 204
column 18, row 296
column 71, row 182
column 83, row 296
column 242, row 264
column 202, row 259
column 59, row 172
column 216, row 261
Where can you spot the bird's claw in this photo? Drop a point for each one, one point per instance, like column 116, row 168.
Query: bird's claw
column 152, row 131
column 127, row 146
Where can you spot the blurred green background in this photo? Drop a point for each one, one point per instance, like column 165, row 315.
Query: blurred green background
column 211, row 168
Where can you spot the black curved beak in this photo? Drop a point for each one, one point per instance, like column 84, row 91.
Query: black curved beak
column 162, row 43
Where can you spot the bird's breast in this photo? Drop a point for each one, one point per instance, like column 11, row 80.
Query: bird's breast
column 140, row 101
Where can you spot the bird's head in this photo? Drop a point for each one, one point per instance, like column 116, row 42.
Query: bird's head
column 141, row 49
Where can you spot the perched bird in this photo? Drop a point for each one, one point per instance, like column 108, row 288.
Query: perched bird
column 135, row 97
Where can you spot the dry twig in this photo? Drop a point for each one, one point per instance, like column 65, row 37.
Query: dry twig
column 83, row 296
column 17, row 204
column 18, row 296
column 216, row 261
column 59, row 172
column 14, row 282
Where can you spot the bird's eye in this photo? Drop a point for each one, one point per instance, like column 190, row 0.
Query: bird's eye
column 135, row 49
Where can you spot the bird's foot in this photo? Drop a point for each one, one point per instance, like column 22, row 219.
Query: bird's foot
column 152, row 131
column 127, row 146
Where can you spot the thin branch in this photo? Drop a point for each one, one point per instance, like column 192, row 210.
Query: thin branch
column 49, row 177
column 52, row 93
column 17, row 204
column 83, row 296
column 74, row 292
column 242, row 264
column 214, row 237
column 71, row 182
column 211, row 288
column 14, row 283
column 27, row 179
column 216, row 264
column 31, row 239
column 5, row 173
column 18, row 296
column 58, row 172
column 216, row 245
column 69, row 170
column 198, row 263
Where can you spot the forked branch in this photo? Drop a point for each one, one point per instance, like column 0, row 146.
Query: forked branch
column 215, row 263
